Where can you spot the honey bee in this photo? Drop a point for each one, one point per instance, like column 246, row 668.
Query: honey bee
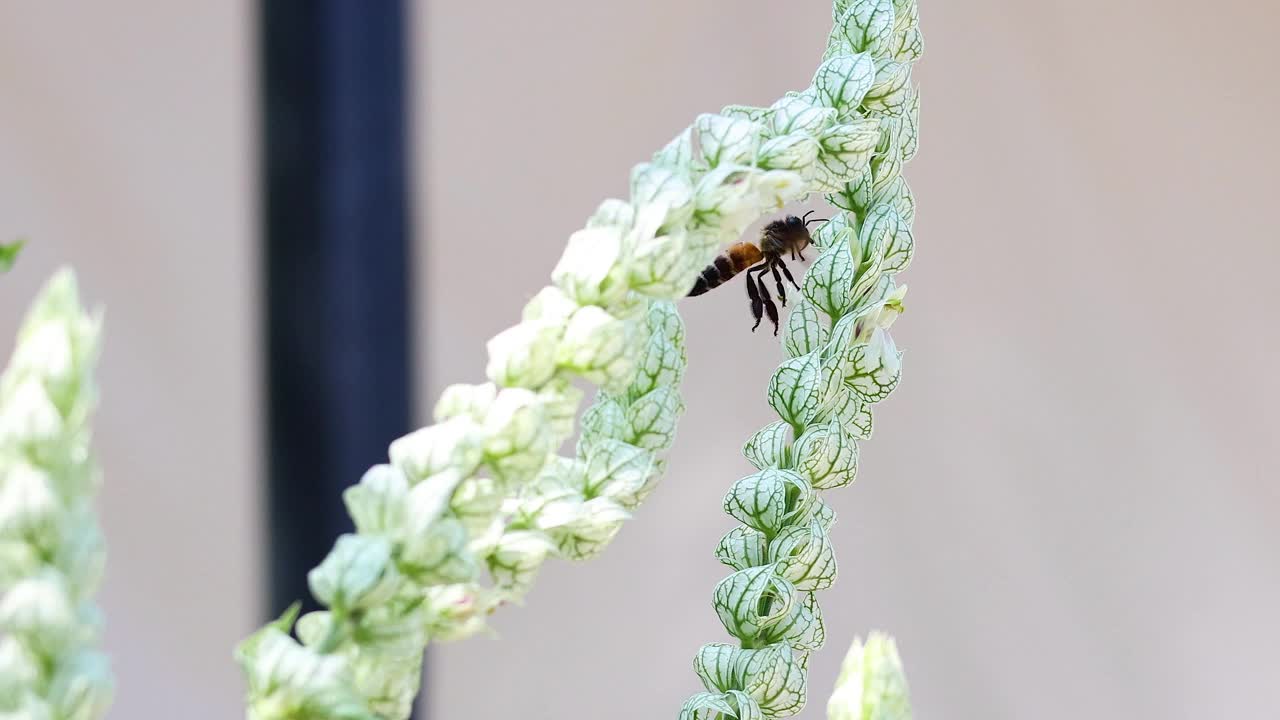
column 790, row 234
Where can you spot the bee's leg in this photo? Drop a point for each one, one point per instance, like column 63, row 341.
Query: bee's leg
column 800, row 252
column 787, row 272
column 782, row 294
column 757, row 305
column 769, row 307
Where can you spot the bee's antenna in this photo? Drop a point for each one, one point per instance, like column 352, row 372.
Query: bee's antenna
column 805, row 217
column 806, row 222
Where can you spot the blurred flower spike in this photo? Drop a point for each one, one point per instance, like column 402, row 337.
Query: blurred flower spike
column 51, row 550
column 872, row 684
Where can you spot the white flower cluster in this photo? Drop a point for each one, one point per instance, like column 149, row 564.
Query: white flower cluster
column 842, row 360
column 51, row 551
column 871, row 685
column 467, row 510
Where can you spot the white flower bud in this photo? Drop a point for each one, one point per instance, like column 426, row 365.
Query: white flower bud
column 40, row 609
column 428, row 499
column 725, row 198
column 874, row 369
column 661, row 265
column 891, row 93
column 27, row 414
column 44, row 351
column 455, row 444
column 612, row 213
column 593, row 269
column 29, row 503
column 393, row 630
column 866, row 25
column 57, row 339
column 666, row 189
column 846, row 150
column 454, row 612
column 514, row 422
column 20, row 668
column 649, row 216
column 524, row 355
column 727, row 141
column 589, row 528
column 314, row 627
column 798, row 114
column 17, row 560
column 776, row 188
column 388, row 682
column 471, row 401
column 476, row 502
column 594, row 346
column 290, row 682
column 892, row 308
column 560, row 399
column 667, row 185
column 664, row 267
column 606, row 419
column 515, row 560
column 377, row 504
column 356, row 573
column 438, row 552
column 843, row 80
column 552, row 508
column 551, row 306
column 518, row 436
column 796, row 152
column 872, row 683
column 617, row 469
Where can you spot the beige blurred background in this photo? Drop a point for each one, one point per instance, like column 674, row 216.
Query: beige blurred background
column 1068, row 510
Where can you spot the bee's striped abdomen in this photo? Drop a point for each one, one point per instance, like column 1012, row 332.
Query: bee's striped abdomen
column 737, row 258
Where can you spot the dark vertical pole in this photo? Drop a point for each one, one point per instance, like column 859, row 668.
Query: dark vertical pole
column 336, row 239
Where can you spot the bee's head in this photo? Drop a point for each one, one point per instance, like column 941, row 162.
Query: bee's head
column 801, row 225
column 793, row 223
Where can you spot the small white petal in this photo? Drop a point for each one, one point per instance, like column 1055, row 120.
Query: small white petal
column 593, row 269
column 525, row 355
column 357, row 573
column 29, row 503
column 40, row 609
column 470, row 400
column 28, row 415
column 455, row 444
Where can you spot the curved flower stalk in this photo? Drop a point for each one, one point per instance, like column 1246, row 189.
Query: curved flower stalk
column 872, row 684
column 467, row 510
column 841, row 361
column 51, row 551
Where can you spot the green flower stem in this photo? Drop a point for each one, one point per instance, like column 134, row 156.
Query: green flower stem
column 841, row 360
